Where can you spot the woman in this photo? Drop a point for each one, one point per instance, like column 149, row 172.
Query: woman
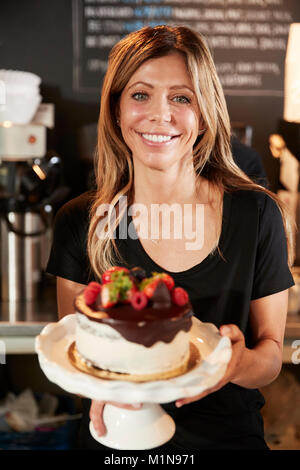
column 164, row 138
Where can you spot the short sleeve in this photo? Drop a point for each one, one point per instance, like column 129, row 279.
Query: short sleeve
column 68, row 256
column 272, row 273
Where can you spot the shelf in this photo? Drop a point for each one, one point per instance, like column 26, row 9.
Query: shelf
column 17, row 345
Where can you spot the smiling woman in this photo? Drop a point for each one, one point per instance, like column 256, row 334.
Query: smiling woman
column 164, row 139
column 164, row 119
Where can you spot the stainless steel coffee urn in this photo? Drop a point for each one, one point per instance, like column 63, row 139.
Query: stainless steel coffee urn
column 30, row 186
column 21, row 255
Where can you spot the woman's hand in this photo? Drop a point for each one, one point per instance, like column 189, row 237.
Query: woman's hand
column 238, row 348
column 96, row 413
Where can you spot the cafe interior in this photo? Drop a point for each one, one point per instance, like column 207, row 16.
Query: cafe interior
column 52, row 61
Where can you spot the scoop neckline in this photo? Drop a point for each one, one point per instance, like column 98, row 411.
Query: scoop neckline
column 211, row 257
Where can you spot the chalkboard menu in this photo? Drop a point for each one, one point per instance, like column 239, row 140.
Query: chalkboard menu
column 248, row 38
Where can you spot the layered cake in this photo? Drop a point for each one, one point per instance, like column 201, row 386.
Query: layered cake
column 133, row 326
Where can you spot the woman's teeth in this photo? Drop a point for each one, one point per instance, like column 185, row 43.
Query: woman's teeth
column 157, row 138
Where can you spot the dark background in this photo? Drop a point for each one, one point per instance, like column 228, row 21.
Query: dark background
column 36, row 36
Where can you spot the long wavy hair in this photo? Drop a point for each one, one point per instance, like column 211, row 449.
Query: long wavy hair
column 212, row 156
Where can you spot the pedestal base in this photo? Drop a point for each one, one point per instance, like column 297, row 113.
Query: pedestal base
column 141, row 429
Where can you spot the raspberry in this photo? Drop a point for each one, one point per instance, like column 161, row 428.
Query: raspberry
column 89, row 297
column 95, row 286
column 91, row 292
column 139, row 300
column 180, row 296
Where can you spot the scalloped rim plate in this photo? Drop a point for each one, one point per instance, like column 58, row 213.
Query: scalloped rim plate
column 52, row 346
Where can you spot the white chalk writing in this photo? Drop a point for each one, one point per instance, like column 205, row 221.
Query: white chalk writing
column 234, row 29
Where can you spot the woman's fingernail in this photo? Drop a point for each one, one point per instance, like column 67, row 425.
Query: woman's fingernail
column 225, row 330
column 178, row 404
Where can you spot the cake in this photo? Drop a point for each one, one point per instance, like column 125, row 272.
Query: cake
column 132, row 326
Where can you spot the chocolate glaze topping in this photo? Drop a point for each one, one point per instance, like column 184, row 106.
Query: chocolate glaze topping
column 146, row 326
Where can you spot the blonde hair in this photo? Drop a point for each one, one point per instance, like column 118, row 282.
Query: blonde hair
column 212, row 152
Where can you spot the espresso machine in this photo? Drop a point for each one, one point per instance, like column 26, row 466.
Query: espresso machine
column 30, row 187
column 31, row 190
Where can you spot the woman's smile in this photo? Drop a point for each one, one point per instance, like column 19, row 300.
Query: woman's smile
column 157, row 139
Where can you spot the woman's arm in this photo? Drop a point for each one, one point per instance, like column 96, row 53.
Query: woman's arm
column 260, row 365
column 66, row 291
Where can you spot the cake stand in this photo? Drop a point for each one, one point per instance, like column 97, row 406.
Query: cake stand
column 149, row 426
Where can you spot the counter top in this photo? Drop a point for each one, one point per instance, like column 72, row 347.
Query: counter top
column 21, row 322
column 28, row 317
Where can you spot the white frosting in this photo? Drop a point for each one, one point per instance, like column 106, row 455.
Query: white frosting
column 104, row 347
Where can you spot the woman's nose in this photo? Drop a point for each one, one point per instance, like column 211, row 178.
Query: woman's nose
column 160, row 110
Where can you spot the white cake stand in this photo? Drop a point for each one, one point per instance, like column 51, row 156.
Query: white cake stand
column 150, row 426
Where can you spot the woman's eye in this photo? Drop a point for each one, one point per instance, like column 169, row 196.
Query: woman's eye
column 181, row 99
column 139, row 96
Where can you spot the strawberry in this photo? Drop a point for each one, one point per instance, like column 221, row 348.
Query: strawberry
column 168, row 280
column 127, row 295
column 139, row 300
column 125, row 285
column 109, row 295
column 91, row 292
column 113, row 273
column 180, row 296
column 148, row 286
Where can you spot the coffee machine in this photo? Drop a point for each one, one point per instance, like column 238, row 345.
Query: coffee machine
column 31, row 186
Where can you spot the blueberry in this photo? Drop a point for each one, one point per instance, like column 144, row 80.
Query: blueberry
column 138, row 273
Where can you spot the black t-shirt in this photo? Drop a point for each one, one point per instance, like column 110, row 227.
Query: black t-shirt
column 253, row 265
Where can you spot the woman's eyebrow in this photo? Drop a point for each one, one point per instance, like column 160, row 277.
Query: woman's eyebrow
column 179, row 87
column 174, row 87
column 141, row 83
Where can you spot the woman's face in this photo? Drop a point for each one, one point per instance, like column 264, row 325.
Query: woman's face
column 158, row 113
